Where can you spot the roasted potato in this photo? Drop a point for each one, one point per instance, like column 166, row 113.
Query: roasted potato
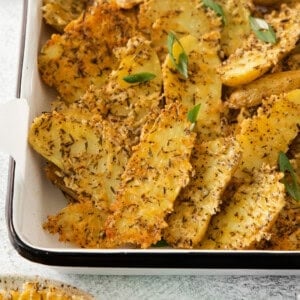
column 253, row 93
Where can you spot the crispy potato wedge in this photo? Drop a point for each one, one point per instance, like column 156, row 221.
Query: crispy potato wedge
column 203, row 85
column 249, row 215
column 272, row 130
column 83, row 55
column 132, row 102
column 253, row 93
column 185, row 17
column 257, row 57
column 157, row 170
column 58, row 13
column 81, row 224
column 125, row 104
column 92, row 155
column 214, row 163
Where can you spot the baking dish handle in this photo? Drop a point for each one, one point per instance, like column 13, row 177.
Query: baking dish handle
column 13, row 128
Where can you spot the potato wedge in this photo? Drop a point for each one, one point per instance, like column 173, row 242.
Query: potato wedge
column 185, row 17
column 249, row 215
column 131, row 103
column 91, row 155
column 157, row 170
column 272, row 130
column 214, row 163
column 253, row 93
column 203, row 85
column 81, row 224
column 257, row 57
column 83, row 56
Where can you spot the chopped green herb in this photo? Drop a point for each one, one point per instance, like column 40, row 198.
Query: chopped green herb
column 217, row 8
column 139, row 77
column 182, row 65
column 193, row 113
column 290, row 178
column 161, row 243
column 263, row 30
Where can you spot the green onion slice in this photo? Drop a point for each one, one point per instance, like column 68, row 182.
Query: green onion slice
column 182, row 65
column 263, row 30
column 139, row 77
column 290, row 177
column 217, row 8
column 193, row 113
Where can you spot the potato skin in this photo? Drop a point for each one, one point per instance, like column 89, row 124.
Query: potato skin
column 253, row 93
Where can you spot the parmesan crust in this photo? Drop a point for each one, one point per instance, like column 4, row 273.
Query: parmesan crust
column 256, row 57
column 81, row 224
column 272, row 130
column 91, row 155
column 157, row 170
column 214, row 163
column 203, row 85
column 185, row 17
column 83, row 55
column 249, row 215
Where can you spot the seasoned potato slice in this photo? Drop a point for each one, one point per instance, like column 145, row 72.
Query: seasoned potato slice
column 81, row 224
column 249, row 215
column 132, row 102
column 203, row 85
column 263, row 136
column 185, row 17
column 92, row 154
column 82, row 56
column 58, row 13
column 236, row 28
column 253, row 93
column 157, row 170
column 257, row 57
column 214, row 162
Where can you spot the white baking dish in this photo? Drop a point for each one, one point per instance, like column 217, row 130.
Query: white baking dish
column 31, row 197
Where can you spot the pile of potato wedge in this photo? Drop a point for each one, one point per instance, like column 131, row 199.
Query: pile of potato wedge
column 171, row 121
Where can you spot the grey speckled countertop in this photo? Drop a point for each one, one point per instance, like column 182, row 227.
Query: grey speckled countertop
column 116, row 287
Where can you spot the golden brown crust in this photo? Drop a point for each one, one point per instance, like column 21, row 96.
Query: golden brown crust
column 256, row 57
column 249, row 215
column 214, row 163
column 185, row 17
column 203, row 85
column 158, row 168
column 81, row 224
column 272, row 130
column 83, row 55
